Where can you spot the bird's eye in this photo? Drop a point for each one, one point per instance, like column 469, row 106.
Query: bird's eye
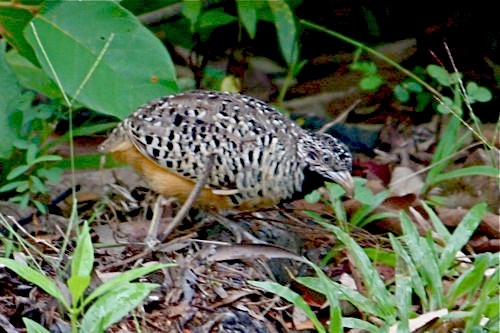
column 326, row 158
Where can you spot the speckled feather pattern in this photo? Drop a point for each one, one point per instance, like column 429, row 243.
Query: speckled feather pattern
column 255, row 150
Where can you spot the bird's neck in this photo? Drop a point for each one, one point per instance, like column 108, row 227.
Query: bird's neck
column 312, row 181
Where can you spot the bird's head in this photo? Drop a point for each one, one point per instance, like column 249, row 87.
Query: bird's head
column 329, row 157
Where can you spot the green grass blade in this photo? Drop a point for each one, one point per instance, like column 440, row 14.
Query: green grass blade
column 417, row 282
column 332, row 297
column 403, row 296
column 362, row 303
column 382, row 256
column 292, row 297
column 477, row 170
column 461, row 235
column 470, row 281
column 374, row 284
column 436, row 222
column 360, row 324
column 488, row 295
column 426, row 262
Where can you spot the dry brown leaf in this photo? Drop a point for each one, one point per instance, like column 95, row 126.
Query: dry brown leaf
column 300, row 320
column 405, row 181
column 421, row 320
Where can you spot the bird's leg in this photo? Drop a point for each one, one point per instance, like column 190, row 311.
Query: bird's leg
column 152, row 239
column 181, row 214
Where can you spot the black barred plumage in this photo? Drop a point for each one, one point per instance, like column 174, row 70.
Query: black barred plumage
column 259, row 156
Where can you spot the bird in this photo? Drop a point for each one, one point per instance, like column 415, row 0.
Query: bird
column 251, row 155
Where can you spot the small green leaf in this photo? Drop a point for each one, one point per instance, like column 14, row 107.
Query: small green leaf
column 114, row 305
column 45, row 111
column 31, row 153
column 52, row 175
column 440, row 74
column 215, row 18
column 455, row 77
column 33, row 326
column 313, row 197
column 81, row 263
column 15, row 186
column 335, row 191
column 382, row 256
column 478, row 93
column 366, row 67
column 364, row 195
column 414, row 86
column 17, row 171
column 248, row 14
column 423, row 100
column 47, row 158
column 40, row 206
column 21, row 143
column 324, row 285
column 371, row 82
column 37, row 185
column 92, row 129
column 22, row 200
column 191, row 9
column 446, row 106
column 401, row 93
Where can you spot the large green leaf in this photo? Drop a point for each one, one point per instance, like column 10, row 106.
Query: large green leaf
column 102, row 55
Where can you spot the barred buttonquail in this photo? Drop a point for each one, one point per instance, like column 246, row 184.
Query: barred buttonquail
column 258, row 156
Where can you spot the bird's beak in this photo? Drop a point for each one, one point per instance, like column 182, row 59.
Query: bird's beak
column 344, row 179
